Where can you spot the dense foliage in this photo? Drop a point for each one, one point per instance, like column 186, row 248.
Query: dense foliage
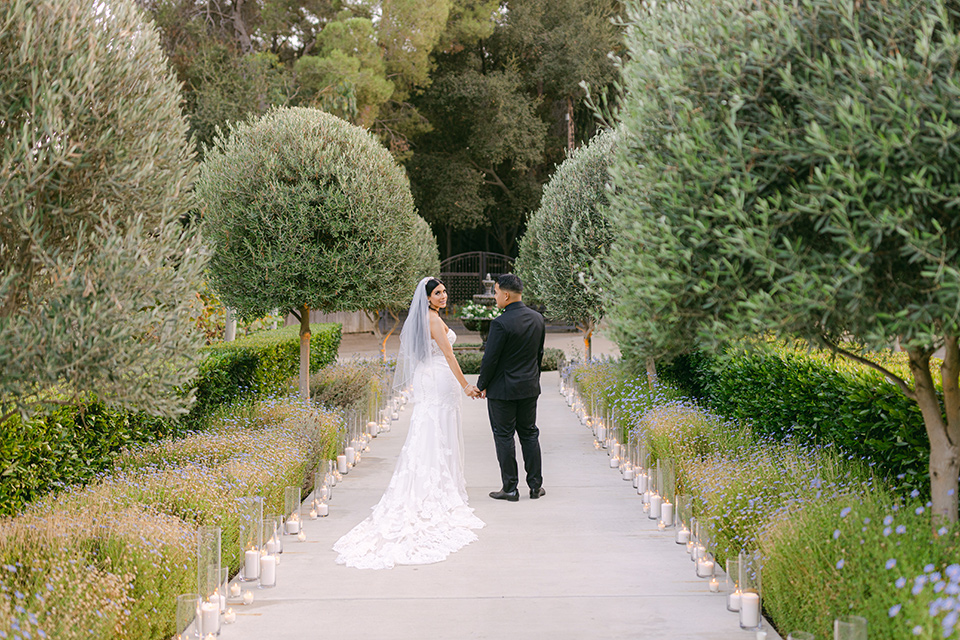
column 74, row 443
column 812, row 398
column 305, row 211
column 469, row 361
column 302, row 209
column 793, row 168
column 478, row 98
column 568, row 234
column 257, row 366
column 833, row 541
column 97, row 275
column 116, row 553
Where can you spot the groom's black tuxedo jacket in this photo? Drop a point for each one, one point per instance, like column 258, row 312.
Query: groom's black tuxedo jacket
column 510, row 369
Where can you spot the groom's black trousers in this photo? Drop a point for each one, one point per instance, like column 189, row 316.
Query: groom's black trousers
column 516, row 416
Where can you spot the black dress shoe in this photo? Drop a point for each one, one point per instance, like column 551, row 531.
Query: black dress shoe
column 536, row 493
column 505, row 495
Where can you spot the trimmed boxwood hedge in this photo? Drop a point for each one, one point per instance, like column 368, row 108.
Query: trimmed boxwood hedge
column 74, row 443
column 812, row 399
column 470, row 360
column 257, row 365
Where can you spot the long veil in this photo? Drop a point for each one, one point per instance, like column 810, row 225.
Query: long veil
column 414, row 337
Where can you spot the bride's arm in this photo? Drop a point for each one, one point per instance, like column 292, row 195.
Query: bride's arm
column 439, row 333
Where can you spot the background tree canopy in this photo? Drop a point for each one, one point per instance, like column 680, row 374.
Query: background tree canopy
column 477, row 98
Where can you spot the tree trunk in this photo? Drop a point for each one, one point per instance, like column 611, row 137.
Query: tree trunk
column 944, row 435
column 587, row 330
column 230, row 331
column 651, row 373
column 305, row 353
column 240, row 27
column 374, row 317
column 571, row 140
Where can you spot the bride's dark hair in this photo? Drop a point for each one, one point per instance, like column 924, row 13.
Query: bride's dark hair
column 432, row 284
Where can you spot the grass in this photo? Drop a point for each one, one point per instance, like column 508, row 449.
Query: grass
column 835, row 540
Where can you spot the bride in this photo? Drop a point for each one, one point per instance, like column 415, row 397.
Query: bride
column 423, row 515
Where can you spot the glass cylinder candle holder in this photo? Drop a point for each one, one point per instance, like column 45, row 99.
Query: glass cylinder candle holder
column 850, row 628
column 273, row 534
column 251, row 532
column 188, row 608
column 224, row 589
column 208, row 562
column 750, row 591
column 706, row 564
column 683, row 519
column 655, row 498
column 732, row 586
column 208, row 616
column 668, row 479
column 291, row 502
column 268, row 571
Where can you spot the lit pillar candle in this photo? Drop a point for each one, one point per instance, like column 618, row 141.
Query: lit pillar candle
column 666, row 514
column 251, row 564
column 373, row 428
column 683, row 535
column 230, row 616
column 268, row 571
column 323, row 509
column 235, row 590
column 272, row 545
column 714, row 585
column 749, row 610
column 636, row 479
column 614, row 462
column 313, row 513
column 209, row 618
column 351, row 455
column 705, row 568
column 642, row 484
column 293, row 524
column 248, row 597
column 733, row 600
column 628, row 471
column 342, row 463
column 655, row 502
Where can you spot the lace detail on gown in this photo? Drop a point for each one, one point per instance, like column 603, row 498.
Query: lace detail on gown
column 423, row 515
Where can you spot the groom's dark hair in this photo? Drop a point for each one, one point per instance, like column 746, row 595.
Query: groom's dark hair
column 510, row 282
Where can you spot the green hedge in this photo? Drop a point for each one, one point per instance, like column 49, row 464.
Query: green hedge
column 258, row 365
column 470, row 360
column 809, row 397
column 74, row 443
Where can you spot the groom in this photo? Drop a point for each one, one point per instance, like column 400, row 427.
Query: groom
column 510, row 381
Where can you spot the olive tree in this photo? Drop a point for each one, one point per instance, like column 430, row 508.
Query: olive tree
column 794, row 168
column 303, row 210
column 567, row 234
column 98, row 277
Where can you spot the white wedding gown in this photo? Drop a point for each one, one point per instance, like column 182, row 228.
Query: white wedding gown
column 423, row 515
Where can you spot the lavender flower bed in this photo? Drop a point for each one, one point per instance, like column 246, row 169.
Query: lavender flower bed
column 108, row 559
column 835, row 539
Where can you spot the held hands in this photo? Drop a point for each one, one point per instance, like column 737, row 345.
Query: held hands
column 472, row 391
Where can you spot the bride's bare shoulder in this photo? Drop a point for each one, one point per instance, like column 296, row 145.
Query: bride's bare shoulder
column 437, row 324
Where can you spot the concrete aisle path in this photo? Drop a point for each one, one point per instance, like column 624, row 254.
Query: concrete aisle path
column 583, row 562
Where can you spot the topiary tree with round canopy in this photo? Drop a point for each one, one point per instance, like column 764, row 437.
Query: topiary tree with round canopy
column 567, row 234
column 303, row 210
column 98, row 277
